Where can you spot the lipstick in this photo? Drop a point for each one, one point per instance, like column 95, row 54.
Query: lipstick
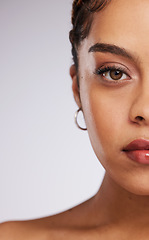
column 138, row 151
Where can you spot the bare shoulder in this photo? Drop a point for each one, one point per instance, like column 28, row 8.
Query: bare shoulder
column 50, row 228
column 8, row 230
column 22, row 230
column 53, row 227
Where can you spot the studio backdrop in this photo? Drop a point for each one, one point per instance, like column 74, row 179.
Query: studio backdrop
column 47, row 164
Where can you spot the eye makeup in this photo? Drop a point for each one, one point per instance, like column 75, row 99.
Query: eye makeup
column 112, row 74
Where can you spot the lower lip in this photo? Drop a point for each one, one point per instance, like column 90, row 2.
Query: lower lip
column 140, row 156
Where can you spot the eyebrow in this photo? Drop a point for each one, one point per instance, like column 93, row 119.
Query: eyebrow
column 110, row 48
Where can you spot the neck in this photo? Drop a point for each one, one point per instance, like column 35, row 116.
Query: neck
column 118, row 205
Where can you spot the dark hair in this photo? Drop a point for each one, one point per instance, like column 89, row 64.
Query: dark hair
column 82, row 16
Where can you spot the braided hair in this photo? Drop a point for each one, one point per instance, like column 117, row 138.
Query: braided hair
column 82, row 16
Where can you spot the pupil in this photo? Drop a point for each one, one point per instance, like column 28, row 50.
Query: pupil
column 115, row 74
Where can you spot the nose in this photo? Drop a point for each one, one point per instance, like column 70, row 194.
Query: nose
column 139, row 111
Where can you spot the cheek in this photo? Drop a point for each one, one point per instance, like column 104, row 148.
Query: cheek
column 106, row 115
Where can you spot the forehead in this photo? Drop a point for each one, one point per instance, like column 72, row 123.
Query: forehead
column 122, row 22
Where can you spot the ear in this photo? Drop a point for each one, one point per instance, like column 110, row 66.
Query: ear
column 75, row 87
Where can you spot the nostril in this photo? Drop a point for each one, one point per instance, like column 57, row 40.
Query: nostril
column 139, row 118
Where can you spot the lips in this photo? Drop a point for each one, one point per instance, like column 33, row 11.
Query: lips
column 138, row 151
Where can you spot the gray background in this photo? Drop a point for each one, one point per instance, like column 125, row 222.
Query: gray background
column 47, row 165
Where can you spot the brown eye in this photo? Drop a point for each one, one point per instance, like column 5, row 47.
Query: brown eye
column 115, row 75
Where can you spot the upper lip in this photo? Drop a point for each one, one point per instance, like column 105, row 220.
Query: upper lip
column 138, row 144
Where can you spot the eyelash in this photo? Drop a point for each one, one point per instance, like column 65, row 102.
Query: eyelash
column 106, row 69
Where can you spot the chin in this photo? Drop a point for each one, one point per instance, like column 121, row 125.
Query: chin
column 138, row 185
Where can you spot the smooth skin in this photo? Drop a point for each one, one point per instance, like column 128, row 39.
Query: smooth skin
column 116, row 113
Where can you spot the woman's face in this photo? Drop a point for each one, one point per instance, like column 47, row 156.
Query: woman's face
column 114, row 89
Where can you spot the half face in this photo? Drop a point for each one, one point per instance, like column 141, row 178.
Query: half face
column 114, row 91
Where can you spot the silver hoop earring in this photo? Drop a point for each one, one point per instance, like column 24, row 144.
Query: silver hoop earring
column 76, row 119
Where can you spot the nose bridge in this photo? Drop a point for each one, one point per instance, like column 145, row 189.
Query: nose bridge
column 140, row 105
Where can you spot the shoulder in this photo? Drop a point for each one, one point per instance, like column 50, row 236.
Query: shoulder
column 8, row 230
column 46, row 229
column 22, row 230
column 52, row 227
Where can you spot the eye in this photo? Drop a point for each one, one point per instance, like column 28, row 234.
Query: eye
column 112, row 73
column 115, row 75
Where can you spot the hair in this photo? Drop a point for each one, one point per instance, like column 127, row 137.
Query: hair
column 82, row 17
